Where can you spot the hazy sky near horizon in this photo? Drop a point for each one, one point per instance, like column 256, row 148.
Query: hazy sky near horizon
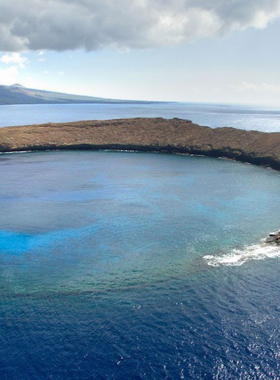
column 189, row 50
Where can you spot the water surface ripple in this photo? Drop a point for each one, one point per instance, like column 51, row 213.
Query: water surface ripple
column 136, row 265
column 259, row 118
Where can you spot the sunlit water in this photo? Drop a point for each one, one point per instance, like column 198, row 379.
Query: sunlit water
column 212, row 115
column 133, row 265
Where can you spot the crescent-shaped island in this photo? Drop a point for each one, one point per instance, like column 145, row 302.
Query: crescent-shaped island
column 147, row 134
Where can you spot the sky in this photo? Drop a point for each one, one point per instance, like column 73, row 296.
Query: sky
column 218, row 51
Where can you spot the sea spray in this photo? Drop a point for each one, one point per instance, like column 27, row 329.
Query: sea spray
column 238, row 257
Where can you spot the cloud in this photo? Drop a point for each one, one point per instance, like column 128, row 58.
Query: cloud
column 16, row 62
column 41, row 58
column 271, row 88
column 61, row 73
column 16, row 58
column 244, row 87
column 9, row 75
column 93, row 24
column 257, row 88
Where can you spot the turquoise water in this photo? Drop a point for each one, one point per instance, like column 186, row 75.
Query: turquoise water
column 212, row 115
column 122, row 265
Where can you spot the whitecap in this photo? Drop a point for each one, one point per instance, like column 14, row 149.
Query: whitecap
column 238, row 257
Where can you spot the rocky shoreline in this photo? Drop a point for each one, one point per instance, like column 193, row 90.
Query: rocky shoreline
column 147, row 134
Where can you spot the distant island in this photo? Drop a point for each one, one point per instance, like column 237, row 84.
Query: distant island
column 17, row 94
column 147, row 134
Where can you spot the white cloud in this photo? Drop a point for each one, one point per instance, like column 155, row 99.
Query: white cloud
column 12, row 58
column 93, row 24
column 257, row 88
column 244, row 87
column 271, row 88
column 61, row 73
column 9, row 75
column 41, row 58
column 17, row 62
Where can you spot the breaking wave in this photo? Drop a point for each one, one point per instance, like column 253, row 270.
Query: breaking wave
column 238, row 257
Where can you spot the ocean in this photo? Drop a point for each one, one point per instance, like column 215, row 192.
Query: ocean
column 125, row 265
column 266, row 119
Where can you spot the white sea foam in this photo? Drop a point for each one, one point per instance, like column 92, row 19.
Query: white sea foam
column 238, row 257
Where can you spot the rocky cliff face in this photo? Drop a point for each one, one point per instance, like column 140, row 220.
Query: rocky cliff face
column 157, row 134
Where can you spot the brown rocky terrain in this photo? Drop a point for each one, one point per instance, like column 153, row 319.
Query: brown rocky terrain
column 147, row 134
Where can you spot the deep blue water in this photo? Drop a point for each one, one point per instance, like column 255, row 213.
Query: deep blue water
column 137, row 266
column 213, row 115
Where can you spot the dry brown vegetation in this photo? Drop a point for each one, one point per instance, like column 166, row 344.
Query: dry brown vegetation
column 147, row 134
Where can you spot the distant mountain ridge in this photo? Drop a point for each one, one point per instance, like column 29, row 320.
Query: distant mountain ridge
column 18, row 94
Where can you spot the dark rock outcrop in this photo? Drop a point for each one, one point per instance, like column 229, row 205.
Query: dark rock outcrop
column 147, row 134
column 273, row 237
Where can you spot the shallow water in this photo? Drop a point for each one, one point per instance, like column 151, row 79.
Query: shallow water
column 134, row 265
